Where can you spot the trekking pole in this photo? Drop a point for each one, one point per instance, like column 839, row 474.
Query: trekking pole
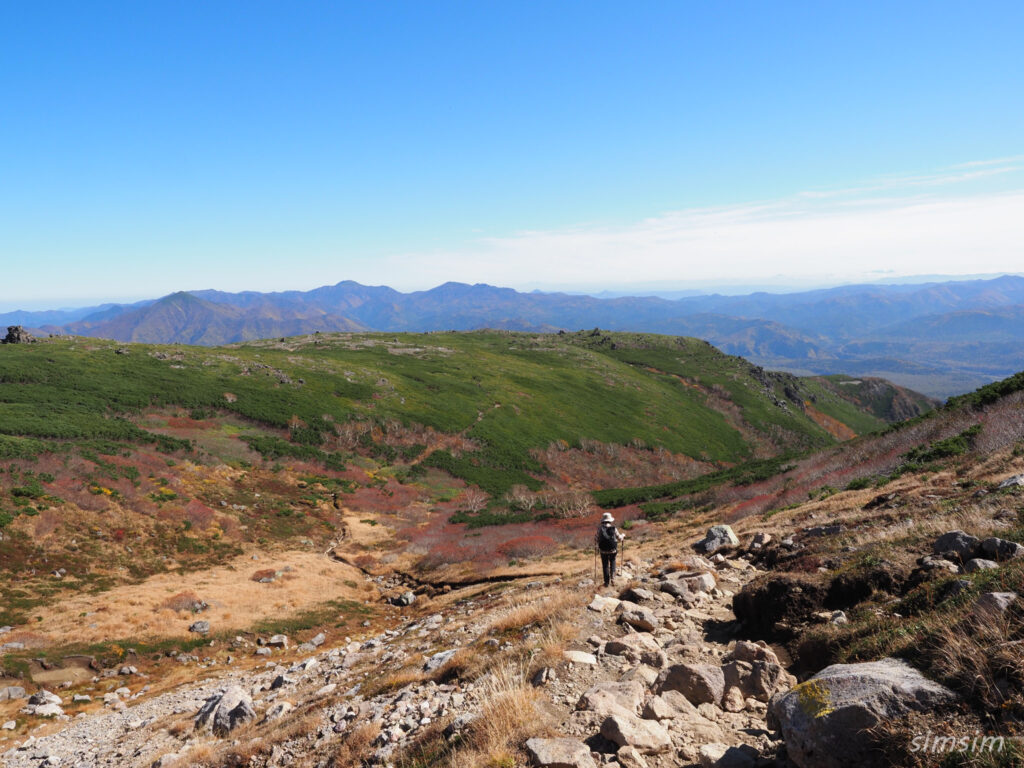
column 595, row 563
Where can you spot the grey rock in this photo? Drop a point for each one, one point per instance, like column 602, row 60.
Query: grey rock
column 962, row 545
column 639, row 618
column 647, row 736
column 438, row 660
column 1010, row 482
column 1000, row 549
column 700, row 683
column 602, row 604
column 630, row 757
column 723, row 756
column 43, row 696
column 609, row 697
column 278, row 641
column 200, row 627
column 638, row 646
column 225, row 711
column 826, row 721
column 639, row 595
column 993, row 604
column 580, row 657
column 16, row 334
column 559, row 753
column 318, row 640
column 278, row 710
column 11, row 692
column 980, row 564
column 718, row 537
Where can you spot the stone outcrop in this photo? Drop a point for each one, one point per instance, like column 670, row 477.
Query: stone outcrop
column 17, row 335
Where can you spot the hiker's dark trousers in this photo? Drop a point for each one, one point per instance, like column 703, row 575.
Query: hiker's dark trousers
column 608, row 566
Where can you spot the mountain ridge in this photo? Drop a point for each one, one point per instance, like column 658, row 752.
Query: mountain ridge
column 941, row 338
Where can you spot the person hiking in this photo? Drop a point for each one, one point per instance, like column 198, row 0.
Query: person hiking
column 607, row 541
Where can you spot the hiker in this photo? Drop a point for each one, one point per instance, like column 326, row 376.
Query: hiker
column 607, row 541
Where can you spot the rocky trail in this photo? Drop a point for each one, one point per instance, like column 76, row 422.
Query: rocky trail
column 653, row 672
column 653, row 678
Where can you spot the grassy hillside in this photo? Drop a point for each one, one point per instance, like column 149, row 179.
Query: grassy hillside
column 121, row 461
column 510, row 394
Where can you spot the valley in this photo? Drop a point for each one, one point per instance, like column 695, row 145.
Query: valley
column 368, row 539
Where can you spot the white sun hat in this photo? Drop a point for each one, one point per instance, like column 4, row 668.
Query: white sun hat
column 607, row 518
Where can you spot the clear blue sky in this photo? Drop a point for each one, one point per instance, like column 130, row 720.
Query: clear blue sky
column 153, row 146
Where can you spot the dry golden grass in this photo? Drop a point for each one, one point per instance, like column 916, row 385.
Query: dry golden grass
column 554, row 642
column 984, row 659
column 505, row 722
column 412, row 672
column 355, row 745
column 534, row 610
column 236, row 602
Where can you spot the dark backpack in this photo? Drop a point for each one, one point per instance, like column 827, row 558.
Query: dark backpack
column 607, row 541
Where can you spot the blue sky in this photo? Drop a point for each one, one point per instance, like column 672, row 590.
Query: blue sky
column 158, row 146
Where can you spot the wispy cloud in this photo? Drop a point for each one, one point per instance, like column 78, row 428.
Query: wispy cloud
column 905, row 225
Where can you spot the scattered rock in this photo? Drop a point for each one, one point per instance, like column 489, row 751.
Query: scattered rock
column 1000, row 549
column 718, row 537
column 581, row 657
column 200, row 627
column 404, row 600
column 722, row 756
column 559, row 753
column 979, row 564
column 625, row 729
column 603, row 604
column 700, row 683
column 224, row 712
column 1010, row 482
column 964, row 546
column 993, row 604
column 438, row 660
column 610, row 697
column 630, row 757
column 12, row 692
column 639, row 617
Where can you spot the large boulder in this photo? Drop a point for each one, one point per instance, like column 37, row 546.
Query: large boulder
column 827, row 721
column 700, row 683
column 11, row 692
column 559, row 753
column 718, row 537
column 638, row 617
column 961, row 545
column 610, row 697
column 758, row 679
column 628, row 730
column 225, row 711
column 638, row 646
column 1001, row 549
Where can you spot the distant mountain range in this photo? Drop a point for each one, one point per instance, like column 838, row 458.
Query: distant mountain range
column 938, row 338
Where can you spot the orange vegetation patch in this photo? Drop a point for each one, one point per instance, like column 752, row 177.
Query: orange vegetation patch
column 160, row 606
column 834, row 427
